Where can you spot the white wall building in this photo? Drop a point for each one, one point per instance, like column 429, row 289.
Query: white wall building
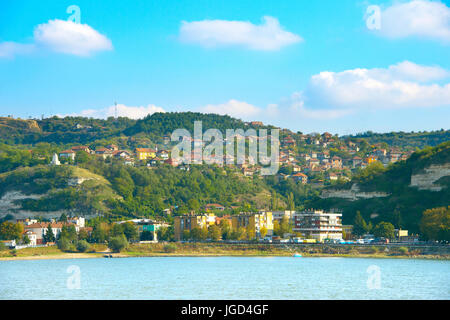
column 318, row 224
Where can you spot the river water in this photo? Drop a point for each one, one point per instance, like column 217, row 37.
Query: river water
column 225, row 278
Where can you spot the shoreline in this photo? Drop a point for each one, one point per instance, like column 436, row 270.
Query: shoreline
column 68, row 256
column 225, row 250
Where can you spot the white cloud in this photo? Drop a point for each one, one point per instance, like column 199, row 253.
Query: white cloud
column 122, row 111
column 400, row 86
column 426, row 19
column 10, row 49
column 233, row 108
column 71, row 38
column 217, row 33
column 60, row 36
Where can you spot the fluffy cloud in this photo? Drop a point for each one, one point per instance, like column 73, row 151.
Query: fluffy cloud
column 217, row 33
column 70, row 37
column 404, row 85
column 233, row 108
column 427, row 19
column 60, row 36
column 122, row 111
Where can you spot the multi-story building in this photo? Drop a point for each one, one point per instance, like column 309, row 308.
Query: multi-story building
column 145, row 153
column 256, row 221
column 318, row 224
column 40, row 229
column 189, row 222
column 147, row 225
column 279, row 215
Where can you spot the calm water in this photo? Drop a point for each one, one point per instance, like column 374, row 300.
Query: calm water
column 226, row 278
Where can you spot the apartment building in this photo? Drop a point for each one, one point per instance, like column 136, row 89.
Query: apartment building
column 256, row 221
column 189, row 222
column 318, row 224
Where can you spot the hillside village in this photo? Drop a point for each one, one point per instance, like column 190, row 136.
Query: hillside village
column 128, row 177
column 306, row 158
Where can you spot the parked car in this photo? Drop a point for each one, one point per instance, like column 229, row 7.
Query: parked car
column 360, row 241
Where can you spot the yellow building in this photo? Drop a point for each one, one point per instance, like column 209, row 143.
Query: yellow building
column 145, row 153
column 255, row 221
column 189, row 222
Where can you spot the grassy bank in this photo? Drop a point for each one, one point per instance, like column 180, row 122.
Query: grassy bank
column 222, row 249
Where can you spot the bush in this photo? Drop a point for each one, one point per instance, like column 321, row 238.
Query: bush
column 403, row 250
column 83, row 246
column 373, row 249
column 118, row 243
column 3, row 247
column 170, row 248
column 64, row 244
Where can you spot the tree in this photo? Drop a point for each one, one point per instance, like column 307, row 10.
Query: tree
column 263, row 232
column 99, row 233
column 64, row 244
column 130, row 231
column 285, row 226
column 193, row 204
column 49, row 236
column 82, row 157
column 63, row 218
column 384, row 230
column 186, row 235
column 435, row 224
column 83, row 246
column 25, row 239
column 118, row 243
column 225, row 227
column 214, row 233
column 251, row 235
column 241, row 233
column 276, row 228
column 165, row 233
column 196, row 233
column 69, row 232
column 83, row 234
column 11, row 231
column 291, row 202
column 359, row 225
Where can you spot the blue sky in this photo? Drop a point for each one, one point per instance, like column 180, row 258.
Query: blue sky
column 310, row 66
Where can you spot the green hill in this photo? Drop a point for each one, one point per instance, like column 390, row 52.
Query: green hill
column 410, row 187
column 51, row 190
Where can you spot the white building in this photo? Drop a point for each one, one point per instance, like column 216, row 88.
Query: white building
column 55, row 160
column 32, row 236
column 318, row 224
column 279, row 215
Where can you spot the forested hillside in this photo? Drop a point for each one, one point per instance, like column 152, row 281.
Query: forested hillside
column 404, row 204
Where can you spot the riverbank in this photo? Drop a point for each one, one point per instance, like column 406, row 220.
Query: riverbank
column 231, row 250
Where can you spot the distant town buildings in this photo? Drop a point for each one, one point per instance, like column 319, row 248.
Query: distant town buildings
column 319, row 225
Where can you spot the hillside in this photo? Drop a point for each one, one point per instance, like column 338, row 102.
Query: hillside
column 398, row 194
column 151, row 129
column 49, row 191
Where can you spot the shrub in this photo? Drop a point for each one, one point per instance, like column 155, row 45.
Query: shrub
column 83, row 246
column 403, row 250
column 64, row 244
column 373, row 249
column 169, row 248
column 118, row 243
column 3, row 247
